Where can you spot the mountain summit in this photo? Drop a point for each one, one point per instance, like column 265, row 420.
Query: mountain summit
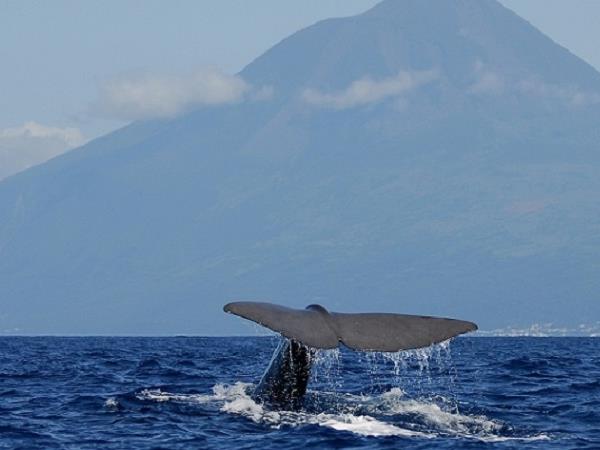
column 460, row 38
column 422, row 157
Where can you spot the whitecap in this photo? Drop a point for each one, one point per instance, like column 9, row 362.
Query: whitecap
column 112, row 403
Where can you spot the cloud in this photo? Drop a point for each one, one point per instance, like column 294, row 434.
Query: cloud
column 153, row 96
column 571, row 95
column 366, row 90
column 489, row 82
column 263, row 93
column 32, row 130
column 33, row 143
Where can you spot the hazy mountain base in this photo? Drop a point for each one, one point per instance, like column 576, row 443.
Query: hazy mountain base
column 460, row 179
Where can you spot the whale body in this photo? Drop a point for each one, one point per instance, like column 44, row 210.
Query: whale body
column 285, row 381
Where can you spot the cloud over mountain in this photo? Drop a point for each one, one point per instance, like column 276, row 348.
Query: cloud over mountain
column 33, row 143
column 155, row 96
column 367, row 90
column 492, row 82
column 571, row 95
column 479, row 201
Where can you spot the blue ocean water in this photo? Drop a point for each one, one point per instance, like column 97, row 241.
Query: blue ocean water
column 183, row 393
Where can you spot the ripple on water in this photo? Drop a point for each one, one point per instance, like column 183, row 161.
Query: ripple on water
column 194, row 392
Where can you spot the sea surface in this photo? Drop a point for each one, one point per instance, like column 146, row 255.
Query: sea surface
column 186, row 393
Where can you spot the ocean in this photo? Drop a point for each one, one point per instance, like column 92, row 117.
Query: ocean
column 193, row 392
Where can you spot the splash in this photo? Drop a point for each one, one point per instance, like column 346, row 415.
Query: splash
column 410, row 408
column 241, row 403
column 421, row 358
column 326, row 369
column 419, row 372
column 388, row 414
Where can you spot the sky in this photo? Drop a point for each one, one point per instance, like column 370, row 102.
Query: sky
column 72, row 68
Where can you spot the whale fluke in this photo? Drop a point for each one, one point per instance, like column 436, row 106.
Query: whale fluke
column 284, row 383
column 315, row 327
column 308, row 326
column 394, row 332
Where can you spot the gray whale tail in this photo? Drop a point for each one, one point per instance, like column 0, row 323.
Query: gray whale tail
column 284, row 382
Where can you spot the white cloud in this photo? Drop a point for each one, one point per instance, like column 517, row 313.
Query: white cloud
column 263, row 93
column 486, row 81
column 571, row 95
column 366, row 90
column 153, row 96
column 33, row 143
column 489, row 82
column 70, row 136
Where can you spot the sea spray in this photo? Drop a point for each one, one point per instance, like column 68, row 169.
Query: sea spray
column 326, row 376
column 426, row 374
column 418, row 371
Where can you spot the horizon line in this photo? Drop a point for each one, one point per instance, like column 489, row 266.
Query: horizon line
column 477, row 335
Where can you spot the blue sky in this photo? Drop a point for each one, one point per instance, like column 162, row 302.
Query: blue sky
column 65, row 61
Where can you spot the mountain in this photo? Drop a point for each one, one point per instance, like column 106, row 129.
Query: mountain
column 423, row 157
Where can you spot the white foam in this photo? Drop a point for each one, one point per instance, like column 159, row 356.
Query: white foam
column 111, row 403
column 537, row 437
column 220, row 392
column 224, row 392
column 393, row 402
column 234, row 399
column 239, row 402
column 367, row 426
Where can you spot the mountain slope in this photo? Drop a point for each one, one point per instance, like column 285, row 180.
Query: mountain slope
column 423, row 157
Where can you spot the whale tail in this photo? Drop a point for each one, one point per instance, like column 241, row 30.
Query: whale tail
column 383, row 332
column 285, row 380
